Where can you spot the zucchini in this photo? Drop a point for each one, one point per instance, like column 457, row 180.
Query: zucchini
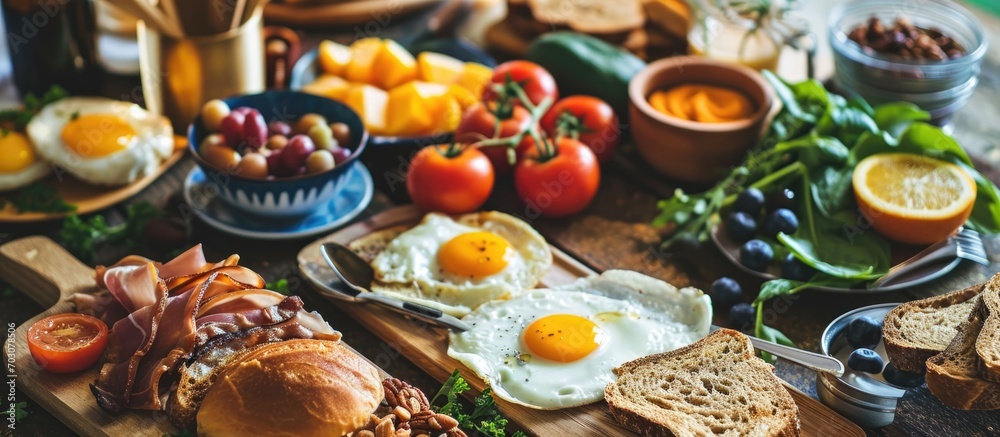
column 582, row 64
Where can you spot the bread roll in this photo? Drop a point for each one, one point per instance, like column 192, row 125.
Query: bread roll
column 292, row 388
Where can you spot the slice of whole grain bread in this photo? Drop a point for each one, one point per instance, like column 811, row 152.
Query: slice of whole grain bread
column 988, row 342
column 954, row 375
column 918, row 330
column 713, row 386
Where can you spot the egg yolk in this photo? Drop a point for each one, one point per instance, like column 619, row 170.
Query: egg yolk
column 15, row 152
column 563, row 337
column 474, row 254
column 97, row 135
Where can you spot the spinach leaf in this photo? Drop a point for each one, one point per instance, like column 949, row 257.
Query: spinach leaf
column 814, row 150
column 845, row 123
column 830, row 188
column 896, row 116
column 986, row 211
column 840, row 248
column 927, row 140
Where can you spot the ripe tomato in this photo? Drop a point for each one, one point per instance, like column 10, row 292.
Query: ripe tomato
column 592, row 119
column 479, row 122
column 449, row 179
column 66, row 343
column 535, row 80
column 561, row 185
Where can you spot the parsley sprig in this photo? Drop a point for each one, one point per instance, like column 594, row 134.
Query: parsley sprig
column 83, row 237
column 485, row 418
column 19, row 409
column 32, row 104
column 39, row 197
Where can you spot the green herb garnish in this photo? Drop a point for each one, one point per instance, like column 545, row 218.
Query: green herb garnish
column 39, row 197
column 813, row 145
column 484, row 419
column 83, row 237
column 32, row 104
column 19, row 409
column 281, row 286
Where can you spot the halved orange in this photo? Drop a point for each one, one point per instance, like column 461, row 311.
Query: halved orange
column 913, row 199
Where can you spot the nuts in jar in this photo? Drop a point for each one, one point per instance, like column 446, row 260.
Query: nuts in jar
column 905, row 40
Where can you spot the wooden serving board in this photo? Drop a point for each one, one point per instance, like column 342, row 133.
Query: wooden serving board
column 88, row 197
column 49, row 275
column 426, row 346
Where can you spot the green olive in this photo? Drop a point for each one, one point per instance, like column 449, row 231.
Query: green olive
column 322, row 136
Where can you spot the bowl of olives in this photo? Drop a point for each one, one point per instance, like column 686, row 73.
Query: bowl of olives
column 277, row 153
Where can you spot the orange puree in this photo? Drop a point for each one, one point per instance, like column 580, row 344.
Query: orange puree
column 702, row 103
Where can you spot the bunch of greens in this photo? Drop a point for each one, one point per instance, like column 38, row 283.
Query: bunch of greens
column 84, row 237
column 18, row 409
column 20, row 117
column 39, row 197
column 485, row 419
column 813, row 145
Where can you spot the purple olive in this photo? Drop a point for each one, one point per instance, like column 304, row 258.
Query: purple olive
column 340, row 154
column 255, row 129
column 278, row 127
column 276, row 166
column 298, row 149
column 232, row 128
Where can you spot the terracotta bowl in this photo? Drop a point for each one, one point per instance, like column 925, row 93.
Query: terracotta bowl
column 687, row 150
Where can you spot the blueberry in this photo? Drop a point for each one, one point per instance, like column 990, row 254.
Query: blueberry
column 750, row 201
column 780, row 220
column 864, row 332
column 796, row 270
column 865, row 360
column 725, row 292
column 743, row 316
column 741, row 226
column 780, row 199
column 903, row 379
column 756, row 255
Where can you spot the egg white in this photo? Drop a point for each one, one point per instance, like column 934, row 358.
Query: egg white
column 33, row 172
column 640, row 316
column 152, row 144
column 408, row 268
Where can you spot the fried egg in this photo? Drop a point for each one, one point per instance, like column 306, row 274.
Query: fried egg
column 101, row 141
column 457, row 265
column 556, row 348
column 19, row 165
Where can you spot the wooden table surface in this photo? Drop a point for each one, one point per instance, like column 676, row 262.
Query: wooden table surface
column 614, row 232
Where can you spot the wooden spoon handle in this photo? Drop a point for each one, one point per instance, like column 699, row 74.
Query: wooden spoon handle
column 43, row 270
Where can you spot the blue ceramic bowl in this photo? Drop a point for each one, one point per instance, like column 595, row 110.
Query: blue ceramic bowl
column 290, row 196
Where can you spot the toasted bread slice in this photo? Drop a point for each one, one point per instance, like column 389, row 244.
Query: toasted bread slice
column 954, row 376
column 988, row 342
column 918, row 330
column 594, row 17
column 713, row 386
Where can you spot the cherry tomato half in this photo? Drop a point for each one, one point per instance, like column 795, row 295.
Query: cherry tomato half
column 561, row 185
column 480, row 121
column 66, row 343
column 593, row 120
column 536, row 81
column 449, row 180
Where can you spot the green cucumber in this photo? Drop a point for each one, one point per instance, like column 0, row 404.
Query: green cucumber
column 582, row 64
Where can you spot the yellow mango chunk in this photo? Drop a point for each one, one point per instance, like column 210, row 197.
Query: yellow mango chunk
column 394, row 65
column 438, row 68
column 333, row 57
column 450, row 116
column 474, row 77
column 364, row 52
column 415, row 108
column 462, row 96
column 370, row 102
column 329, row 86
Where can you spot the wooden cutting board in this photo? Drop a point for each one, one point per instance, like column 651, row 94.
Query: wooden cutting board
column 426, row 346
column 49, row 275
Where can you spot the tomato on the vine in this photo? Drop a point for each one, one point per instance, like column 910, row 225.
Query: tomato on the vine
column 592, row 121
column 557, row 182
column 536, row 81
column 67, row 343
column 452, row 179
column 480, row 122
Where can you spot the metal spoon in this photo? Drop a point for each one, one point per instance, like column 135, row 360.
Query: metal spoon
column 809, row 360
column 356, row 273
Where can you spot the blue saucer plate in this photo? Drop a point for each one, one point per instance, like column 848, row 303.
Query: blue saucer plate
column 204, row 198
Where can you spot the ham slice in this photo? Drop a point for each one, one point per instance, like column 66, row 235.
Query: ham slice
column 133, row 287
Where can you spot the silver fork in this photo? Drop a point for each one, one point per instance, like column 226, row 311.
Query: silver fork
column 966, row 244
